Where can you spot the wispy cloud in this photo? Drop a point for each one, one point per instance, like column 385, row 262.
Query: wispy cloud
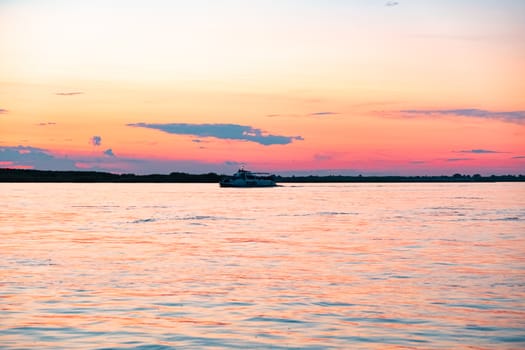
column 33, row 157
column 507, row 116
column 28, row 157
column 73, row 93
column 479, row 151
column 233, row 163
column 96, row 141
column 322, row 157
column 320, row 114
column 221, row 131
column 3, row 111
column 391, row 3
column 519, row 157
column 46, row 123
column 458, row 159
column 109, row 152
column 455, row 37
column 302, row 115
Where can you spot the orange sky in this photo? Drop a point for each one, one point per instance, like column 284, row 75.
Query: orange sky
column 348, row 87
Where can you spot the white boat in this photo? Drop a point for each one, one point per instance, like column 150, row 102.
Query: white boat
column 245, row 178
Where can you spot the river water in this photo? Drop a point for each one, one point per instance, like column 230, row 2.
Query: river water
column 313, row 266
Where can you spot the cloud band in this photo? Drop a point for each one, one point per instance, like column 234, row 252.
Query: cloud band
column 221, row 131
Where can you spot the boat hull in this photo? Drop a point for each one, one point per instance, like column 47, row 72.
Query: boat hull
column 265, row 183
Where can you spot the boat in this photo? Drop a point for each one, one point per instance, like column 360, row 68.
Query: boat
column 246, row 178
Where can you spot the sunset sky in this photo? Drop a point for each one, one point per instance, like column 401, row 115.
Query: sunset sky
column 419, row 87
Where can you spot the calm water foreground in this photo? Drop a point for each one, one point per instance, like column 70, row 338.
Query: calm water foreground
column 316, row 266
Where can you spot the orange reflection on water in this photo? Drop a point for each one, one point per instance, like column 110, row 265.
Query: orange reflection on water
column 344, row 266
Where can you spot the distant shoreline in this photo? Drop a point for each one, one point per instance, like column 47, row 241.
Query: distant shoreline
column 29, row 175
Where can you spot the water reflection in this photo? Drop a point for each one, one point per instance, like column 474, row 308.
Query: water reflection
column 314, row 266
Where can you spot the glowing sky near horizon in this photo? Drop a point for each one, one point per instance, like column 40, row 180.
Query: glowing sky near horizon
column 293, row 86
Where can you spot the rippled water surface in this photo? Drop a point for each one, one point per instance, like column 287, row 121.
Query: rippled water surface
column 315, row 266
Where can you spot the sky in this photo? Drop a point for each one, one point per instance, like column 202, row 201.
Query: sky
column 408, row 87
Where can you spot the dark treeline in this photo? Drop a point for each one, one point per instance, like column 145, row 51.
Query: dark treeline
column 23, row 175
column 454, row 178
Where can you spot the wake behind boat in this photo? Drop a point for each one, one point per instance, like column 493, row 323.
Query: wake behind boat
column 246, row 178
